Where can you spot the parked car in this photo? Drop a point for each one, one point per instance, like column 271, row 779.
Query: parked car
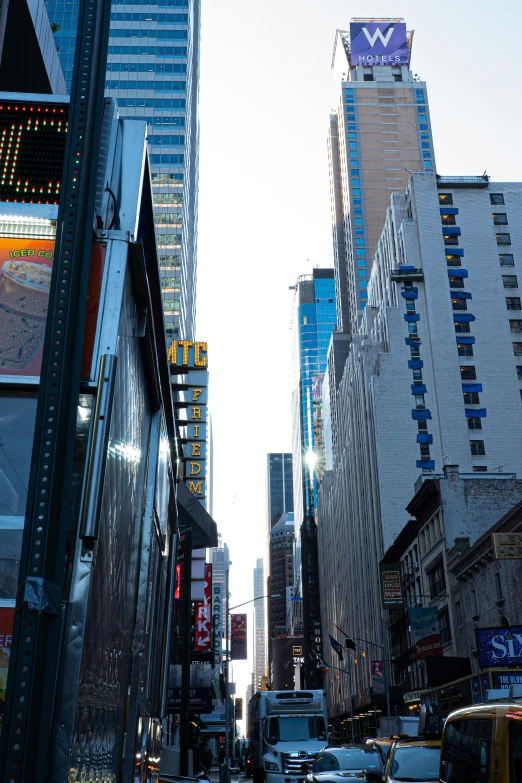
column 335, row 765
column 415, row 760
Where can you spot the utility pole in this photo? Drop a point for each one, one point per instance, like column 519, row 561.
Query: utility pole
column 351, row 694
column 37, row 635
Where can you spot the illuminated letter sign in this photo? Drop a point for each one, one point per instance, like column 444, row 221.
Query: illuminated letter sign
column 185, row 353
column 378, row 43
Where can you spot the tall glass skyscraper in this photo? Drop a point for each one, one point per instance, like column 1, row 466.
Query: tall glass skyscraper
column 279, row 487
column 153, row 72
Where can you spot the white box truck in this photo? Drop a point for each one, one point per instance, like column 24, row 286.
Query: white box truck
column 287, row 731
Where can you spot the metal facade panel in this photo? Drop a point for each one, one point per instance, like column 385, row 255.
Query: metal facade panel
column 105, row 670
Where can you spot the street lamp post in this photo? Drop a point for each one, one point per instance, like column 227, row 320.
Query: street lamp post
column 229, row 609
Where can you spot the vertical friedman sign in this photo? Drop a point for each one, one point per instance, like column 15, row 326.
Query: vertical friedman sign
column 378, row 43
column 190, row 359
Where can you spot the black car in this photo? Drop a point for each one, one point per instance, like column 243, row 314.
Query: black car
column 351, row 762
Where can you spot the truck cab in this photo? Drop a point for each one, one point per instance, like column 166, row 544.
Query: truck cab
column 483, row 744
column 288, row 730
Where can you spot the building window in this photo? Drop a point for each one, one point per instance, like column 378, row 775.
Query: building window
column 412, row 328
column 417, row 375
column 446, row 199
column 468, row 373
column 517, row 349
column 448, row 220
column 451, row 239
column 506, row 259
column 477, row 448
column 458, row 614
column 424, row 451
column 453, row 260
column 437, row 580
column 462, row 328
column 459, row 304
column 444, row 627
column 500, row 219
column 419, row 400
column 519, row 372
column 414, row 352
column 474, row 424
column 423, row 426
column 397, row 77
column 496, row 198
column 474, row 602
column 498, row 584
column 480, row 469
column 515, row 327
column 465, row 350
column 471, row 398
column 410, row 306
column 456, row 282
column 510, row 281
column 513, row 303
column 503, row 239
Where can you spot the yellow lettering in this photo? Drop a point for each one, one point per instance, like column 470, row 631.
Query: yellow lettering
column 185, row 345
column 196, row 449
column 196, row 413
column 196, row 394
column 195, row 468
column 196, row 430
column 173, row 352
column 196, row 487
column 199, row 349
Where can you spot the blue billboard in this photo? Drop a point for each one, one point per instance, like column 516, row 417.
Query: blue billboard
column 499, row 646
column 378, row 43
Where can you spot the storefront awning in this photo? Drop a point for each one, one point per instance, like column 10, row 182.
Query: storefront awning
column 192, row 514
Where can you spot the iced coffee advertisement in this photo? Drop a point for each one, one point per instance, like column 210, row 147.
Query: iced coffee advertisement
column 6, row 636
column 25, row 280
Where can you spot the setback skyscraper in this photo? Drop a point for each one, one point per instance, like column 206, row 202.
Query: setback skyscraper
column 259, row 625
column 153, row 72
column 381, row 129
column 220, row 565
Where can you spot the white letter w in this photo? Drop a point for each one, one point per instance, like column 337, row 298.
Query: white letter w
column 378, row 34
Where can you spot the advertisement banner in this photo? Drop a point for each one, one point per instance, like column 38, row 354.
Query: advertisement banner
column 378, row 43
column 378, row 683
column 6, row 638
column 499, row 646
column 424, row 631
column 203, row 615
column 238, row 637
column 217, row 618
column 238, row 709
column 200, row 699
column 391, row 593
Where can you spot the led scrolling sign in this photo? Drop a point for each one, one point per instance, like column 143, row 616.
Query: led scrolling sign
column 32, row 148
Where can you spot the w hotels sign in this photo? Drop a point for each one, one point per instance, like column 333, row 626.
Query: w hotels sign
column 378, row 43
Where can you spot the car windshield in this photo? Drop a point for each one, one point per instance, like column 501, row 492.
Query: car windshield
column 415, row 763
column 350, row 758
column 296, row 729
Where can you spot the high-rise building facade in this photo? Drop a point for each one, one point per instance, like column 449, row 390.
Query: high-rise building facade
column 153, row 72
column 279, row 487
column 259, row 625
column 282, row 537
column 380, row 131
column 314, row 320
column 428, row 384
column 220, row 559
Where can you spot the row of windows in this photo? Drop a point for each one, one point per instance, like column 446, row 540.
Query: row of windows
column 165, row 17
column 168, row 140
column 159, row 3
column 152, row 103
column 167, row 86
column 164, row 122
column 157, row 51
column 161, row 35
column 165, row 159
column 180, row 68
column 497, row 199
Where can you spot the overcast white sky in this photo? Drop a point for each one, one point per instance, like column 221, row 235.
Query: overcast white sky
column 266, row 93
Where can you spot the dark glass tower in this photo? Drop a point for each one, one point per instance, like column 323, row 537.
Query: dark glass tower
column 279, row 487
column 153, row 72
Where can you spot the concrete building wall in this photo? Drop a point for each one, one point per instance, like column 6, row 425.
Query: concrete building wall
column 361, row 508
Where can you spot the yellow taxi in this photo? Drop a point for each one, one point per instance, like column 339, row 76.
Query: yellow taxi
column 384, row 743
column 483, row 744
column 415, row 760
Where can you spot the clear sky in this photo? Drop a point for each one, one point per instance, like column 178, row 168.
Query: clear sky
column 266, row 93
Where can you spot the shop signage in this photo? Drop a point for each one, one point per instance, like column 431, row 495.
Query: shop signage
column 203, row 614
column 424, row 631
column 199, row 699
column 238, row 637
column 188, row 354
column 391, row 593
column 412, row 697
column 217, row 615
column 32, row 150
column 499, row 646
column 378, row 43
column 507, row 546
column 6, row 638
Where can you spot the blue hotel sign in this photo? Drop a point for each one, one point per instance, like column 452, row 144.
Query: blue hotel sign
column 499, row 646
